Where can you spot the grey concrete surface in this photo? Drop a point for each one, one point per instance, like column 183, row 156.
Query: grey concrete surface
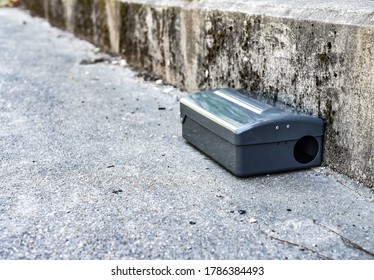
column 93, row 166
column 316, row 56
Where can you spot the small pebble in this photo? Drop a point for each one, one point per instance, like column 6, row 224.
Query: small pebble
column 252, row 220
column 168, row 90
column 123, row 63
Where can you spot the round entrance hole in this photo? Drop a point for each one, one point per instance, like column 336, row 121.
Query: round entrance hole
column 306, row 149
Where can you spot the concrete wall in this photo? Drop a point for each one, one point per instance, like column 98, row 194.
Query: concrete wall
column 320, row 61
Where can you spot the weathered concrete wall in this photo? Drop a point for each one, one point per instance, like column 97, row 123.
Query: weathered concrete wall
column 321, row 62
column 94, row 20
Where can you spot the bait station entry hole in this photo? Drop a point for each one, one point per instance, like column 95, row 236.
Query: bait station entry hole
column 306, row 149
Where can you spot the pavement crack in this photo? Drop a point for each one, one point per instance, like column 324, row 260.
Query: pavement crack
column 301, row 247
column 345, row 240
column 352, row 189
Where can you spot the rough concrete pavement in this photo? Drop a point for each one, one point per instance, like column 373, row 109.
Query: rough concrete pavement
column 93, row 166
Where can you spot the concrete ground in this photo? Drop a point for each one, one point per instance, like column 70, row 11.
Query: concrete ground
column 93, row 166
